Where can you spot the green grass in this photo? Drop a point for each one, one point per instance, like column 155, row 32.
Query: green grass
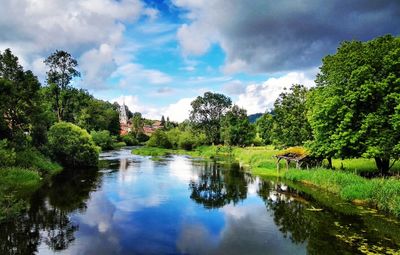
column 16, row 185
column 201, row 151
column 360, row 165
column 32, row 159
column 383, row 193
column 151, row 151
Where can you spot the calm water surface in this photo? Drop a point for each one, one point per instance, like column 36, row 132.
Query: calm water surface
column 179, row 205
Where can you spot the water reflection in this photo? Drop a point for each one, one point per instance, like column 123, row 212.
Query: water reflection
column 135, row 205
column 218, row 186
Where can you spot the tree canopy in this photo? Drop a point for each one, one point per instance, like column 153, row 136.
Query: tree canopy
column 355, row 108
column 206, row 114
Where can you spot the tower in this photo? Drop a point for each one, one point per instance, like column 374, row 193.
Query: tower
column 123, row 118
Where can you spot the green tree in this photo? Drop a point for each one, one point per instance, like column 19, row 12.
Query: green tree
column 264, row 127
column 355, row 108
column 103, row 139
column 62, row 69
column 236, row 128
column 137, row 122
column 19, row 98
column 163, row 121
column 290, row 125
column 71, row 145
column 206, row 114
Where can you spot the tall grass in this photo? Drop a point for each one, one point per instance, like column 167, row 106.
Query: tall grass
column 383, row 193
column 33, row 159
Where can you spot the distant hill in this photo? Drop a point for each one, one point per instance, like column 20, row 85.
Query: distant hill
column 254, row 117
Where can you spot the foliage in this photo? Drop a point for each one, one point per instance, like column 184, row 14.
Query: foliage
column 264, row 128
column 103, row 139
column 7, row 155
column 354, row 109
column 129, row 139
column 151, row 151
column 297, row 151
column 207, row 112
column 382, row 192
column 31, row 158
column 159, row 139
column 62, row 69
column 137, row 122
column 290, row 125
column 236, row 128
column 19, row 99
column 72, row 146
column 142, row 137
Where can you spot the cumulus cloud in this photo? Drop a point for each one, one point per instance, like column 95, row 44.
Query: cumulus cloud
column 234, row 87
column 178, row 111
column 91, row 30
column 271, row 36
column 261, row 97
column 132, row 74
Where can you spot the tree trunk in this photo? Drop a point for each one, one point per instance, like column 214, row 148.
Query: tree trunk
column 383, row 165
column 329, row 162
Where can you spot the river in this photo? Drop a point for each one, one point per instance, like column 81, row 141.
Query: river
column 180, row 205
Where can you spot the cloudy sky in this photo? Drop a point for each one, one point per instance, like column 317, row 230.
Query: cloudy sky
column 160, row 54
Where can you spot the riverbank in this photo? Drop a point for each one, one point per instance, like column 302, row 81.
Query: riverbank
column 20, row 181
column 382, row 193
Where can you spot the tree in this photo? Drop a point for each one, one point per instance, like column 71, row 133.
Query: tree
column 62, row 69
column 137, row 122
column 72, row 146
column 355, row 108
column 162, row 121
column 236, row 128
column 19, row 97
column 207, row 112
column 290, row 125
column 264, row 127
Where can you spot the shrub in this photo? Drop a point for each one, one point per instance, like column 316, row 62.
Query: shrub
column 7, row 156
column 142, row 137
column 130, row 140
column 159, row 139
column 72, row 146
column 187, row 141
column 102, row 139
column 33, row 159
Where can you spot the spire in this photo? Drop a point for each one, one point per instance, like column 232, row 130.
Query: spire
column 123, row 118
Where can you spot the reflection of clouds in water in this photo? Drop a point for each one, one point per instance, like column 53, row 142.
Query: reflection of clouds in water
column 249, row 229
column 131, row 204
column 182, row 169
column 252, row 187
column 99, row 212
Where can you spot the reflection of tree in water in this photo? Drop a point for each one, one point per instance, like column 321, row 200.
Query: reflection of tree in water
column 217, row 187
column 293, row 219
column 47, row 220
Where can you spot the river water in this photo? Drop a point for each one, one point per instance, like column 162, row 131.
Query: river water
column 180, row 205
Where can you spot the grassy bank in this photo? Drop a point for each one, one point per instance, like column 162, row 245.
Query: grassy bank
column 19, row 182
column 346, row 183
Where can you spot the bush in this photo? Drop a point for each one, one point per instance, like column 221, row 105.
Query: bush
column 159, row 139
column 33, row 159
column 103, row 139
column 72, row 146
column 7, row 156
column 142, row 137
column 187, row 141
column 130, row 140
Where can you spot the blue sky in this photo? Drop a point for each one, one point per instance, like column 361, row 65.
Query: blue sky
column 158, row 56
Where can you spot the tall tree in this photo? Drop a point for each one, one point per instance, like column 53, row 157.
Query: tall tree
column 207, row 112
column 236, row 128
column 290, row 125
column 264, row 127
column 355, row 108
column 137, row 122
column 19, row 97
column 62, row 69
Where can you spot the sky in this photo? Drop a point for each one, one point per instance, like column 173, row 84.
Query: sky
column 159, row 55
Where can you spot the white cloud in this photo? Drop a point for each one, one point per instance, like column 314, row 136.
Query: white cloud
column 261, row 97
column 178, row 111
column 234, row 87
column 132, row 74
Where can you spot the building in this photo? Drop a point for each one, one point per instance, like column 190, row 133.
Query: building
column 124, row 122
